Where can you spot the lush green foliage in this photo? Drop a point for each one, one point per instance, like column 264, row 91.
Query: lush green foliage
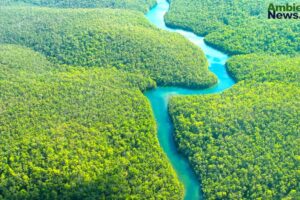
column 101, row 37
column 244, row 143
column 141, row 5
column 77, row 133
column 264, row 68
column 237, row 26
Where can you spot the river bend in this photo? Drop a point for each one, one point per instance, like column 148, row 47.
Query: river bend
column 159, row 101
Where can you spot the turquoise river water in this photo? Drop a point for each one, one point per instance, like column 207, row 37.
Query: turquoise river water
column 159, row 101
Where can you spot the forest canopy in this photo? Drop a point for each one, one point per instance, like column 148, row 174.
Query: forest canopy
column 107, row 37
column 237, row 27
column 265, row 68
column 74, row 123
column 243, row 143
column 140, row 5
column 77, row 133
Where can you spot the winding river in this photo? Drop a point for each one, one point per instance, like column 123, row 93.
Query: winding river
column 159, row 101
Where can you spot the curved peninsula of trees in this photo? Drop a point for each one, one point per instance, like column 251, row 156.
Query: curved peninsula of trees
column 101, row 37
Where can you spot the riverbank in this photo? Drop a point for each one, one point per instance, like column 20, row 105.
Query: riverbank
column 159, row 99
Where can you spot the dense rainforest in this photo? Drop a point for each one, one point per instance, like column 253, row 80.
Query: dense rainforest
column 244, row 143
column 265, row 68
column 77, row 133
column 237, row 27
column 140, row 5
column 100, row 37
column 74, row 123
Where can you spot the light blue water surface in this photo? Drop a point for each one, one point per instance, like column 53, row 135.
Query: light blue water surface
column 159, row 101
